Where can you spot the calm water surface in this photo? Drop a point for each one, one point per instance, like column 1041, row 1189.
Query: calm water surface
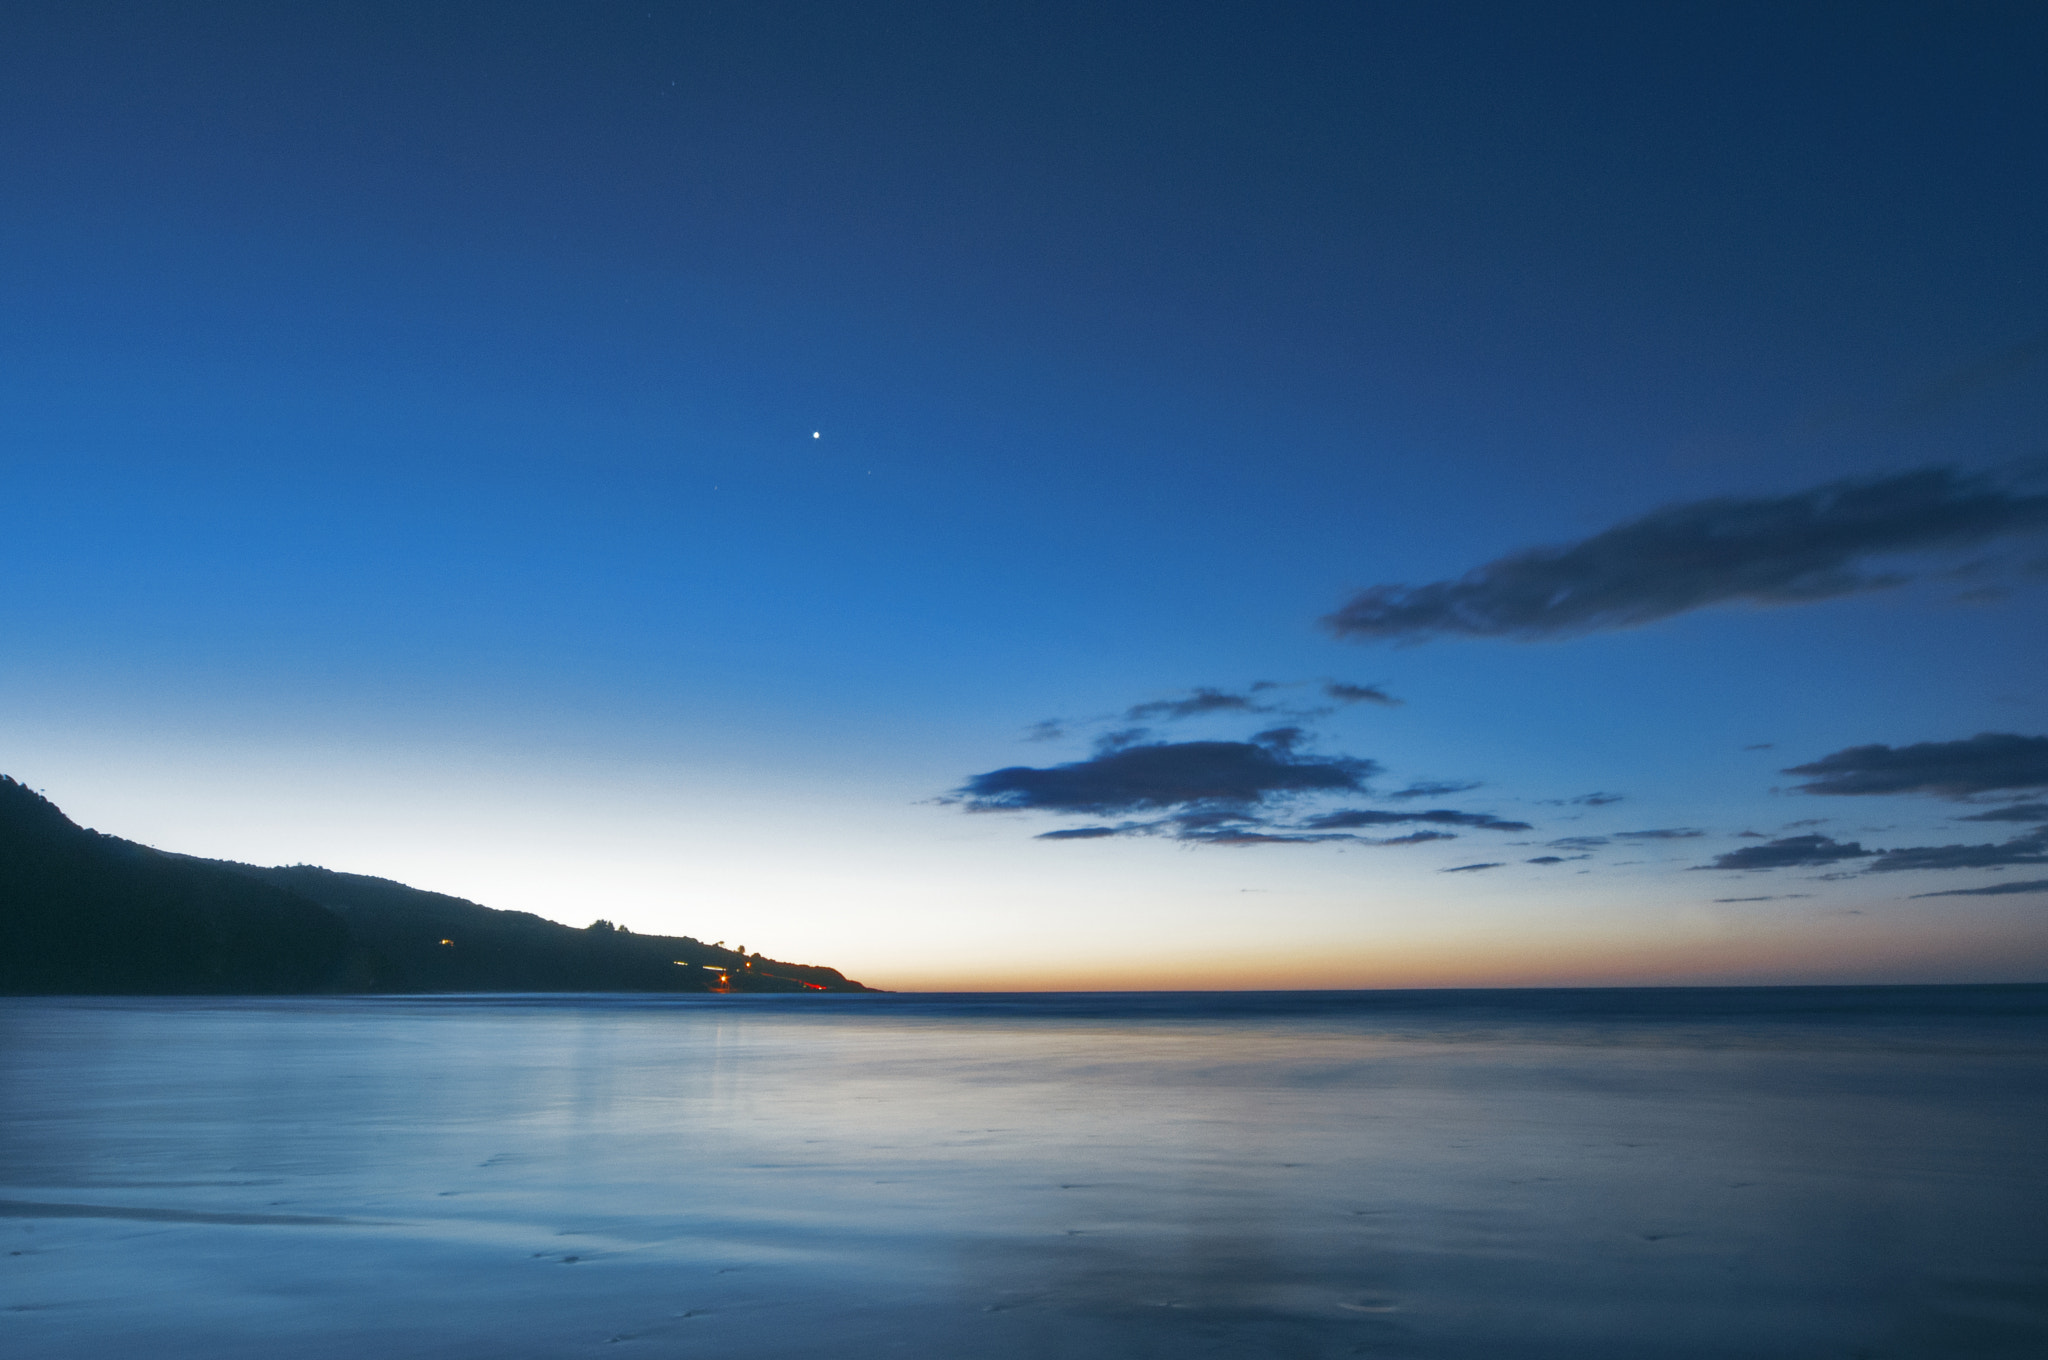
column 1852, row 1172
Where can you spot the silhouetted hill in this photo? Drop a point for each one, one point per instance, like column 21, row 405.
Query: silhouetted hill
column 82, row 912
column 85, row 913
column 428, row 941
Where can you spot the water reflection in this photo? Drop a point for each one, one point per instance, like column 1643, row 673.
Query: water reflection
column 1836, row 1171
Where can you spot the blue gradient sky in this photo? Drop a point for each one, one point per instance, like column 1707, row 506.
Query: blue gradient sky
column 409, row 467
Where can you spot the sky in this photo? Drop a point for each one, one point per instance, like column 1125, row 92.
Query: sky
column 1054, row 495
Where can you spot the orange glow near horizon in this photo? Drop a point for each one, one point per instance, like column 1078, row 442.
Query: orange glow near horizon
column 1840, row 950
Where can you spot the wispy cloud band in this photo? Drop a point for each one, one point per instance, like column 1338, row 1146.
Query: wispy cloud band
column 1765, row 550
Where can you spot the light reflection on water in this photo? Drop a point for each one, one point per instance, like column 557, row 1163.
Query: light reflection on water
column 1812, row 1172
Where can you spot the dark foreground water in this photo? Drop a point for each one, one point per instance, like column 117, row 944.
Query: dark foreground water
column 1852, row 1172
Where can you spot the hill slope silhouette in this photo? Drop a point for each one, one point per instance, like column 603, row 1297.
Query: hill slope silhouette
column 86, row 913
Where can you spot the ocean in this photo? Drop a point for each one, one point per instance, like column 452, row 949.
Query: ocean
column 1640, row 1173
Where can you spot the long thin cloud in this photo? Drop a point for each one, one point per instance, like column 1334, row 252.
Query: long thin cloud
column 1985, row 763
column 2020, row 850
column 2032, row 885
column 1794, row 852
column 1764, row 550
column 2017, row 812
column 1347, row 819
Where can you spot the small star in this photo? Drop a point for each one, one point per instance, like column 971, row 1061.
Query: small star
column 816, row 435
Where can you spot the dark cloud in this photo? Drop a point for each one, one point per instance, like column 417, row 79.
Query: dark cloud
column 1160, row 775
column 1282, row 738
column 1469, row 868
column 1431, row 788
column 1745, row 899
column 1346, row 693
column 1801, row 851
column 1759, row 746
column 1205, row 700
column 2021, row 850
column 1201, row 701
column 1578, row 843
column 1768, row 550
column 1052, row 729
column 1236, row 793
column 2017, row 812
column 1119, row 738
column 1666, row 833
column 1556, row 859
column 1980, row 764
column 2032, row 885
column 1751, row 836
column 1345, row 819
column 1586, row 800
column 1790, row 852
